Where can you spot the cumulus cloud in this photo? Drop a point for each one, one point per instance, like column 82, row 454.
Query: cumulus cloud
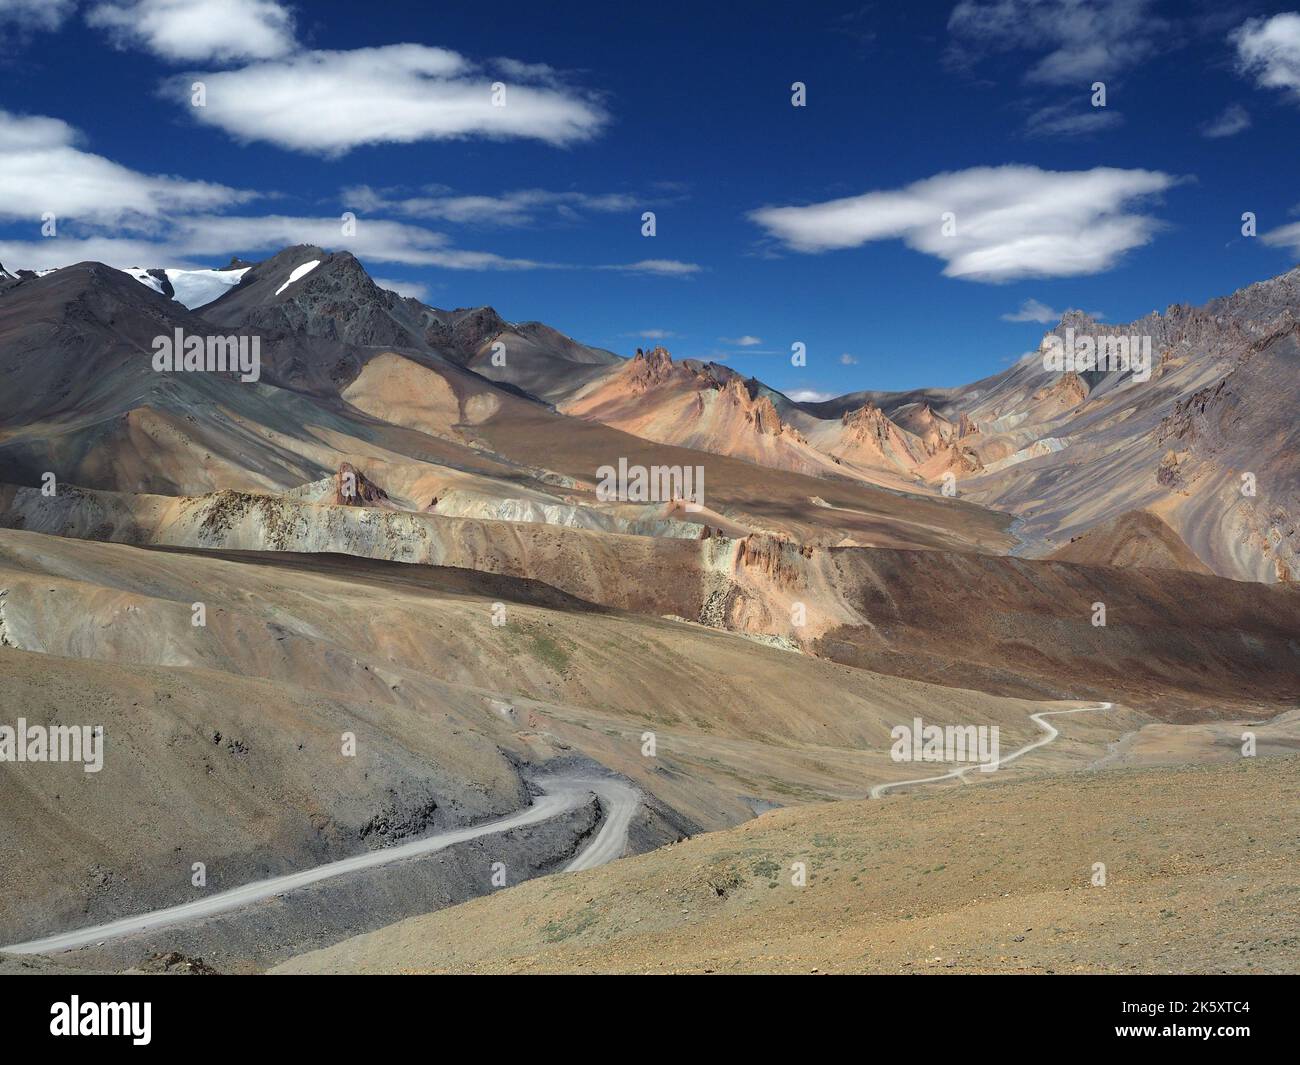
column 1269, row 50
column 1010, row 221
column 329, row 102
column 192, row 30
column 1084, row 40
column 848, row 360
column 518, row 208
column 809, row 395
column 1233, row 120
column 42, row 170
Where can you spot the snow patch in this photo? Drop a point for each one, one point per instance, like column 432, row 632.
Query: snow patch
column 298, row 273
column 197, row 288
column 144, row 277
column 190, row 288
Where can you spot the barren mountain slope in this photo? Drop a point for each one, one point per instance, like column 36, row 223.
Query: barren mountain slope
column 711, row 408
column 337, row 300
column 1067, row 452
column 1136, row 538
column 245, row 715
column 996, row 878
column 1175, row 641
column 387, row 633
column 415, row 423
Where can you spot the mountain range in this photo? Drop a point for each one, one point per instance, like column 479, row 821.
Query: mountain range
column 1201, row 449
column 395, row 529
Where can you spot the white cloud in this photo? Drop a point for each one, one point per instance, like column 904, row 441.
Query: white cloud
column 517, row 208
column 1033, row 310
column 109, row 213
column 42, row 170
column 662, row 267
column 1285, row 237
column 64, row 251
column 189, row 30
column 1269, row 49
column 1066, row 120
column 1085, row 40
column 185, row 241
column 1011, row 221
column 413, row 289
column 848, row 360
column 331, row 102
column 742, row 342
column 652, row 334
column 27, row 16
column 380, row 240
column 809, row 395
column 1233, row 120
column 198, row 238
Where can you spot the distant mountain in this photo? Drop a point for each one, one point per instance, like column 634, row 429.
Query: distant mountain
column 713, row 408
column 336, row 299
column 80, row 397
column 1210, row 444
column 1207, row 445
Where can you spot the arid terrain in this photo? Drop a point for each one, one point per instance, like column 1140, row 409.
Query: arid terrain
column 380, row 597
column 996, row 879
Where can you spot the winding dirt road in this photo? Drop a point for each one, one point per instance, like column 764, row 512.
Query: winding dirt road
column 959, row 774
column 618, row 800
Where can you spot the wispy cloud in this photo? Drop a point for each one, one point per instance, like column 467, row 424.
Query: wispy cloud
column 1007, row 222
column 1284, row 237
column 111, row 213
column 662, row 267
column 1232, row 121
column 1032, row 310
column 413, row 289
column 742, row 342
column 23, row 17
column 518, row 208
column 809, row 395
column 1082, row 40
column 1071, row 120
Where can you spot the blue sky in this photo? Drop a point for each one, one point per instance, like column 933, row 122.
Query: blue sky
column 775, row 224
